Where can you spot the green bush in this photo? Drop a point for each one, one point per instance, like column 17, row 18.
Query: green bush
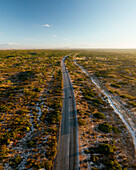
column 105, row 127
column 97, row 74
column 87, row 97
column 48, row 165
column 18, row 159
column 94, row 158
column 115, row 130
column 113, row 165
column 3, row 108
column 115, row 85
column 125, row 96
column 123, row 83
column 52, row 141
column 106, row 149
column 99, row 115
column 81, row 122
column 53, row 117
column 97, row 101
column 3, row 151
column 15, row 161
column 51, row 152
column 87, row 151
column 93, row 168
column 88, row 93
column 132, row 104
column 30, row 144
column 38, row 89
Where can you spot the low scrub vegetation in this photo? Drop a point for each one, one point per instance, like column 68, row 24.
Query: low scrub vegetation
column 116, row 69
column 30, row 107
column 104, row 140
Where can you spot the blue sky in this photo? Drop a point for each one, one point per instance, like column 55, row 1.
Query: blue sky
column 67, row 24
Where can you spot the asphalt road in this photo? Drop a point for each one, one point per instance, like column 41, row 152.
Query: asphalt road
column 68, row 154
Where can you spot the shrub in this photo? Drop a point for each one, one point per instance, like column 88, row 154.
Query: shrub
column 52, row 130
column 115, row 85
column 52, row 141
column 125, row 96
column 3, row 151
column 132, row 104
column 23, row 76
column 22, row 112
column 97, row 101
column 53, row 117
column 97, row 74
column 87, row 97
column 105, row 127
column 123, row 83
column 31, row 144
column 81, row 122
column 38, row 89
column 113, row 165
column 15, row 161
column 115, row 130
column 94, row 158
column 18, row 159
column 48, row 165
column 99, row 115
column 51, row 153
column 87, row 151
column 93, row 168
column 3, row 108
column 106, row 149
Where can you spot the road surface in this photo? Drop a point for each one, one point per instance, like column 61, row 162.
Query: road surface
column 68, row 154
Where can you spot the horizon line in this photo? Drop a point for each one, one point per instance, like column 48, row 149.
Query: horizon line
column 61, row 48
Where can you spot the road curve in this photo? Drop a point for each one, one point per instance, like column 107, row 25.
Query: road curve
column 68, row 153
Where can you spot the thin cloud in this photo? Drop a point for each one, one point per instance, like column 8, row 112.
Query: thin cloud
column 54, row 35
column 46, row 25
column 10, row 45
column 64, row 39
